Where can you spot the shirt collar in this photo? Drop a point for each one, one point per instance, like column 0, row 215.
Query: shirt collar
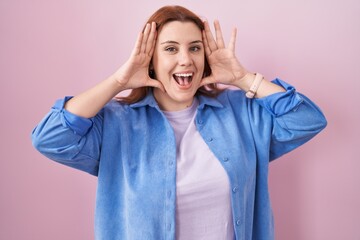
column 211, row 101
column 203, row 100
column 149, row 100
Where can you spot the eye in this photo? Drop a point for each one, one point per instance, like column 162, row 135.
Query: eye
column 170, row 49
column 195, row 48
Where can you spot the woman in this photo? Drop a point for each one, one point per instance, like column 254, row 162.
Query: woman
column 179, row 157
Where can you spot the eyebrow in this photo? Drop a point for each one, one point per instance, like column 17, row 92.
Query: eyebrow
column 174, row 42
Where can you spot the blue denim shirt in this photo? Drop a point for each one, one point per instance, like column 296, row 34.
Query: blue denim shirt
column 132, row 150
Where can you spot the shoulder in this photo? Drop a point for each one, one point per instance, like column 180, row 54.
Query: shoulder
column 235, row 101
column 229, row 100
column 114, row 107
column 138, row 109
column 232, row 93
column 231, row 96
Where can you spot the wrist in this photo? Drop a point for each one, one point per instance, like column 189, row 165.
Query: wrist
column 116, row 82
column 254, row 86
column 244, row 82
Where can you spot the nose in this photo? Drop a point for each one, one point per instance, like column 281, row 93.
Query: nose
column 185, row 58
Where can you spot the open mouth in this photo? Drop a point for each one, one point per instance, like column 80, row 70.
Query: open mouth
column 183, row 79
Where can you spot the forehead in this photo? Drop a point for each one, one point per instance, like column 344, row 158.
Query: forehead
column 177, row 30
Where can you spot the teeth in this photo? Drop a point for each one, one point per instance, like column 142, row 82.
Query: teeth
column 183, row 79
column 183, row 74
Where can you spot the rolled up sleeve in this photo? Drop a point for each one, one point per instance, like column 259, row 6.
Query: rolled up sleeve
column 296, row 119
column 69, row 139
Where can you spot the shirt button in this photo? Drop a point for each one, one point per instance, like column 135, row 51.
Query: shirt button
column 225, row 159
column 210, row 139
column 234, row 189
column 169, row 227
column 169, row 194
column 171, row 163
column 200, row 121
column 238, row 222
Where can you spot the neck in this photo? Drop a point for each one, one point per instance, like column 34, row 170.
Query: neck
column 167, row 103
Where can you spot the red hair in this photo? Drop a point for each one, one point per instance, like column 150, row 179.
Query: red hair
column 162, row 16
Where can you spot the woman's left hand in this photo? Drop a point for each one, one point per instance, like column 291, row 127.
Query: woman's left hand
column 225, row 67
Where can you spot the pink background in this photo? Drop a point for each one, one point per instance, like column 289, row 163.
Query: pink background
column 49, row 49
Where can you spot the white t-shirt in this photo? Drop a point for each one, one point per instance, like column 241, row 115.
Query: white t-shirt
column 203, row 204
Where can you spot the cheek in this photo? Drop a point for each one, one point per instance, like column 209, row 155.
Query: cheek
column 200, row 64
column 162, row 67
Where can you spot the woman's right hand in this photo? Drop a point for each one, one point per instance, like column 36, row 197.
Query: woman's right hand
column 135, row 72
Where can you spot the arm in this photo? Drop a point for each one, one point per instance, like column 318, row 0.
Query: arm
column 72, row 132
column 133, row 74
column 295, row 119
column 69, row 139
column 226, row 68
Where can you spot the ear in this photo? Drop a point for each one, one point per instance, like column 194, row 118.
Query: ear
column 151, row 71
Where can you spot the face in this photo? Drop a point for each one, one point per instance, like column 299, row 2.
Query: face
column 178, row 62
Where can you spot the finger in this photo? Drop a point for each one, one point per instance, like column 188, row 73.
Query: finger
column 207, row 80
column 209, row 37
column 137, row 46
column 152, row 39
column 149, row 42
column 233, row 40
column 206, row 44
column 156, row 84
column 219, row 37
column 145, row 38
